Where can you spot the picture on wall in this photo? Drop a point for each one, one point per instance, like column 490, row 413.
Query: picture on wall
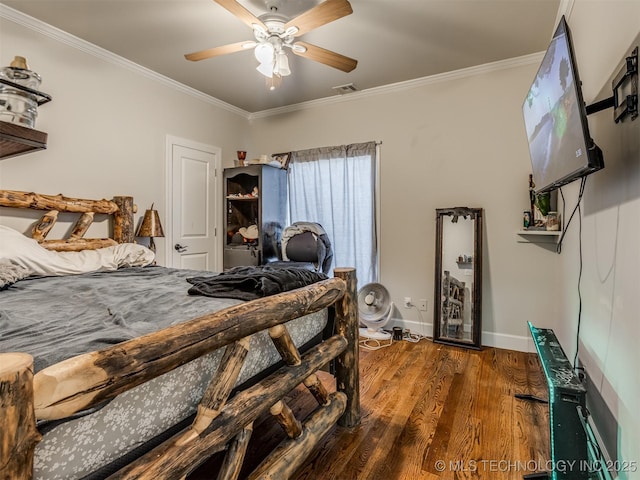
column 282, row 158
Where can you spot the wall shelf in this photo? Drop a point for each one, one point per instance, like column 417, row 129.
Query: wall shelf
column 17, row 140
column 538, row 236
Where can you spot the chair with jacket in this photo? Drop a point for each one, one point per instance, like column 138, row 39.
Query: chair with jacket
column 306, row 244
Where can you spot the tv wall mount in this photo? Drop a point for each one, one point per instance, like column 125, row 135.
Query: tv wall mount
column 625, row 91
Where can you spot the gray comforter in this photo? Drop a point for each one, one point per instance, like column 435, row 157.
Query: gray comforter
column 55, row 318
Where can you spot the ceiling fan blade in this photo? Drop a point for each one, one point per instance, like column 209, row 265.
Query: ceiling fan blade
column 321, row 14
column 217, row 51
column 327, row 57
column 242, row 13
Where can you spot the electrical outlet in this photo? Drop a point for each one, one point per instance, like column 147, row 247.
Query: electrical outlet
column 407, row 302
column 422, row 304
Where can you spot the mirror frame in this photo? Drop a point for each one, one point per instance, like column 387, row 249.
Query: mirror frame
column 476, row 215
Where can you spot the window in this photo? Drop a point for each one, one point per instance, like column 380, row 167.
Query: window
column 336, row 187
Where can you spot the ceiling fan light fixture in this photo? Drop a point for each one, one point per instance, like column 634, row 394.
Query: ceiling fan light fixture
column 274, row 31
column 266, row 69
column 264, row 52
column 282, row 64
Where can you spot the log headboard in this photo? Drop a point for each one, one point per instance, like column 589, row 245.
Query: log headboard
column 121, row 209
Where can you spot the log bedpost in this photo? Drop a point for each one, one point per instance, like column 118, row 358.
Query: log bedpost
column 347, row 363
column 18, row 435
column 123, row 228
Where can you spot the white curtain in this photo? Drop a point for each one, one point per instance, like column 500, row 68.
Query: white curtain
column 335, row 187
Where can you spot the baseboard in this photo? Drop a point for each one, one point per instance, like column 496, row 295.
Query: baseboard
column 424, row 329
column 489, row 339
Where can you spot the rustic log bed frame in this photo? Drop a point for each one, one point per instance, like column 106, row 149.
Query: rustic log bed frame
column 222, row 422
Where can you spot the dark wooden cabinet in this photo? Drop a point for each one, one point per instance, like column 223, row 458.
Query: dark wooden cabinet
column 253, row 196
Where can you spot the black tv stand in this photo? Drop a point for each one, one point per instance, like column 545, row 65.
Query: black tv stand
column 567, row 398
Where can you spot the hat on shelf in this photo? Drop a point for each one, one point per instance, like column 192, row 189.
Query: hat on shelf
column 250, row 232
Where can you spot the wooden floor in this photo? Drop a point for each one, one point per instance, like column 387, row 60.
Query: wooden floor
column 429, row 411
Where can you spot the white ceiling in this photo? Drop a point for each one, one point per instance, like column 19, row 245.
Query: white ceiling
column 393, row 40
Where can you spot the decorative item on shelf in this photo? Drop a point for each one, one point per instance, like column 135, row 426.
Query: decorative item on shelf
column 283, row 159
column 150, row 227
column 242, row 156
column 19, row 95
column 553, row 221
column 465, row 259
column 249, row 234
column 542, row 204
column 265, row 160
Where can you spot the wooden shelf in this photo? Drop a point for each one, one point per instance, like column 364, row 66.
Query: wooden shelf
column 18, row 140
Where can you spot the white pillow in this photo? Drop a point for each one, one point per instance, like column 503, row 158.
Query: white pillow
column 27, row 253
column 10, row 273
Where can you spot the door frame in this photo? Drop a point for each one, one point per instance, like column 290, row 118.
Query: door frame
column 171, row 141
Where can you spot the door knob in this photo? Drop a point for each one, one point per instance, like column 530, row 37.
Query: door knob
column 180, row 248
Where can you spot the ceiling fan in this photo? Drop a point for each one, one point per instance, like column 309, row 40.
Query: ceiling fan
column 274, row 32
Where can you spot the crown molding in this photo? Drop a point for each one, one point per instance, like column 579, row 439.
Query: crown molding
column 534, row 58
column 565, row 8
column 99, row 52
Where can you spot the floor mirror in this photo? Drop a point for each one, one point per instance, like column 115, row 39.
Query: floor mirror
column 458, row 277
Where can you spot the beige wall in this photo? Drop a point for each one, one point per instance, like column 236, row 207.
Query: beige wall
column 459, row 141
column 107, row 125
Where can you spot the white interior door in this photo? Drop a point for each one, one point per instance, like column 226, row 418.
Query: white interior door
column 194, row 192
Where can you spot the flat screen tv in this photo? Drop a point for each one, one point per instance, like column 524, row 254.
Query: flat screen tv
column 555, row 118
